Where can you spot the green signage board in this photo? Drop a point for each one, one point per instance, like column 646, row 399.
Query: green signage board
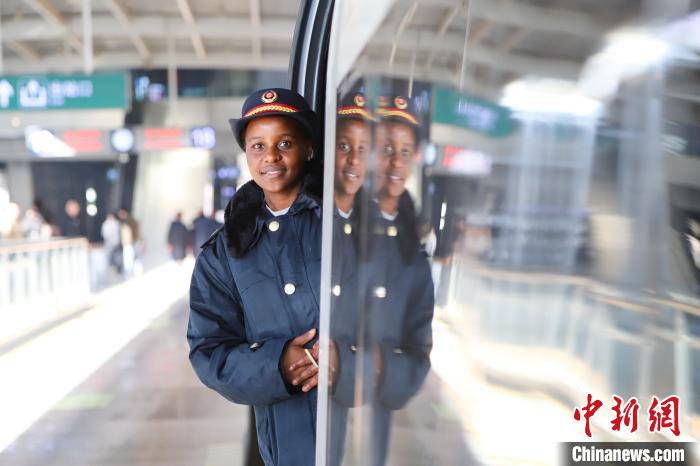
column 63, row 92
column 452, row 108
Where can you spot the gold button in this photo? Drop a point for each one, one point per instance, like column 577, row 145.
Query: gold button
column 336, row 290
column 274, row 225
column 289, row 288
column 398, row 351
column 380, row 292
column 392, row 231
column 353, row 348
column 347, row 228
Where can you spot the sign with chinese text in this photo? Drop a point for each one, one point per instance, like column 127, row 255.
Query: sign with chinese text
column 452, row 108
column 63, row 92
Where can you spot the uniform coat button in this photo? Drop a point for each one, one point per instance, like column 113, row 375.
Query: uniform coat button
column 353, row 348
column 392, row 231
column 347, row 228
column 398, row 351
column 380, row 292
column 289, row 288
column 254, row 346
column 274, row 225
column 336, row 290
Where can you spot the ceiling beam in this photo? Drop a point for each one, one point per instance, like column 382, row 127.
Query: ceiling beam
column 23, row 50
column 447, row 19
column 120, row 61
column 119, row 12
column 54, row 17
column 152, row 27
column 513, row 39
column 191, row 23
column 452, row 44
column 255, row 24
column 521, row 14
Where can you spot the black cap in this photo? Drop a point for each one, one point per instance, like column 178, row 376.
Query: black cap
column 354, row 106
column 273, row 101
column 397, row 108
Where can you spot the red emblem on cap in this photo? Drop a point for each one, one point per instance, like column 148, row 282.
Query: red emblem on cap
column 400, row 103
column 359, row 100
column 269, row 96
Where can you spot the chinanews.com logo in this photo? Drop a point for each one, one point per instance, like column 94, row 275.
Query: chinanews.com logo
column 660, row 416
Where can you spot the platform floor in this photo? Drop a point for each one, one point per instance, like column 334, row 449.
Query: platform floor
column 144, row 407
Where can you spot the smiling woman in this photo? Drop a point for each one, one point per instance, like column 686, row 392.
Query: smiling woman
column 254, row 297
column 276, row 150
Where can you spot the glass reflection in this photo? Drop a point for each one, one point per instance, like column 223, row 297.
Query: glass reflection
column 526, row 233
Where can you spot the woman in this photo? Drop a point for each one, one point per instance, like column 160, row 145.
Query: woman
column 254, row 297
column 400, row 298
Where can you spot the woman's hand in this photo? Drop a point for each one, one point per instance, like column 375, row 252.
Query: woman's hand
column 309, row 372
column 293, row 372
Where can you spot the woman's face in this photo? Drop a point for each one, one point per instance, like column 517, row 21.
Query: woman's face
column 396, row 153
column 353, row 144
column 276, row 149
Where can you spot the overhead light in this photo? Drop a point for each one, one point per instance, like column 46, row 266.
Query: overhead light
column 636, row 48
column 91, row 195
column 44, row 143
column 628, row 53
column 548, row 96
column 122, row 140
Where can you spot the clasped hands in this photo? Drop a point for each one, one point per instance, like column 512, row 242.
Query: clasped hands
column 297, row 368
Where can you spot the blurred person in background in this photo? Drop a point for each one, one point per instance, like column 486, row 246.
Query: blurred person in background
column 71, row 225
column 202, row 229
column 111, row 237
column 130, row 236
column 34, row 226
column 255, row 289
column 178, row 239
column 12, row 226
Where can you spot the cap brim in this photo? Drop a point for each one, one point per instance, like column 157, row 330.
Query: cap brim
column 305, row 118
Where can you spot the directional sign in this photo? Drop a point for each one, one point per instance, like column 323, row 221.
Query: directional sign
column 453, row 108
column 60, row 92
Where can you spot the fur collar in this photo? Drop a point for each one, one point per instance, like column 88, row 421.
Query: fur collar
column 243, row 222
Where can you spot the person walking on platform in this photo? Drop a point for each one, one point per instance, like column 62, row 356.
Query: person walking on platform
column 130, row 235
column 178, row 239
column 254, row 295
column 202, row 229
column 111, row 240
column 72, row 225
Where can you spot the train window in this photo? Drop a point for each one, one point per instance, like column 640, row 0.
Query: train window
column 516, row 226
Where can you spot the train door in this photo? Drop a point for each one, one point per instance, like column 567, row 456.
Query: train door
column 514, row 226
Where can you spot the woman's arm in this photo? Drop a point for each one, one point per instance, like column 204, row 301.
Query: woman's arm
column 219, row 351
column 404, row 367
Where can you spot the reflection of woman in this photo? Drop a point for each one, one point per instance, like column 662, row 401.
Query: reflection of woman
column 353, row 143
column 400, row 288
column 255, row 289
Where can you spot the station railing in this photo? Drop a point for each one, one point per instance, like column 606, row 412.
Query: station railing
column 39, row 279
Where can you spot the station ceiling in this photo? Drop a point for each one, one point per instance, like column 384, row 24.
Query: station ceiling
column 508, row 38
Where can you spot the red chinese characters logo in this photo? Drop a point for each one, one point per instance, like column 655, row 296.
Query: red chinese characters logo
column 588, row 411
column 627, row 415
column 663, row 414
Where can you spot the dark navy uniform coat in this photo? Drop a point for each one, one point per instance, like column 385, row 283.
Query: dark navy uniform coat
column 255, row 287
column 400, row 305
